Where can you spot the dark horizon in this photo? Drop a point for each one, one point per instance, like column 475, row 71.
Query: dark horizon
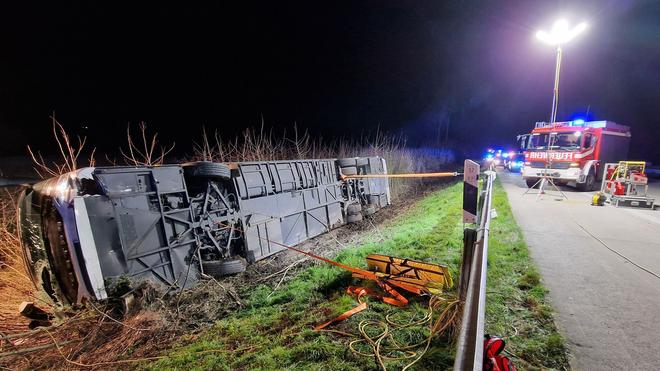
column 344, row 69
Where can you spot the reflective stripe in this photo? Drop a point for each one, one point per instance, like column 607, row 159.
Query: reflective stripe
column 616, row 133
column 584, row 154
column 88, row 248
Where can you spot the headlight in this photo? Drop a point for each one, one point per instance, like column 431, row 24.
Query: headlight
column 575, row 164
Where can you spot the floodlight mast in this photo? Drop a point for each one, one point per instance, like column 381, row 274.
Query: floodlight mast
column 559, row 35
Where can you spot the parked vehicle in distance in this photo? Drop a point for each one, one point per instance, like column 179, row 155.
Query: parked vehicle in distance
column 515, row 162
column 83, row 231
column 493, row 158
column 573, row 152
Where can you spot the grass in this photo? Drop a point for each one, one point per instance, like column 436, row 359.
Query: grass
column 516, row 304
column 274, row 330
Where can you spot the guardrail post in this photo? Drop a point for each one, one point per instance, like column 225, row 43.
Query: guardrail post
column 469, row 240
column 472, row 285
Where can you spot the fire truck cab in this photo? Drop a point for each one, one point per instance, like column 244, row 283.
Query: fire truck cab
column 573, row 152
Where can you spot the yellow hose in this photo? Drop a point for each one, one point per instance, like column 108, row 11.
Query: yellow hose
column 385, row 348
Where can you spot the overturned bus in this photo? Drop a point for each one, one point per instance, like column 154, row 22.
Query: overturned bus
column 82, row 231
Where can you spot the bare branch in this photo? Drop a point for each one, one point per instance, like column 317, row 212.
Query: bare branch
column 144, row 153
column 69, row 153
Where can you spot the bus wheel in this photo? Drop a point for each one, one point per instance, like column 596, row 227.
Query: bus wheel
column 219, row 268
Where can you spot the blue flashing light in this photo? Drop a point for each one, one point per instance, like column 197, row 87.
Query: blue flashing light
column 578, row 122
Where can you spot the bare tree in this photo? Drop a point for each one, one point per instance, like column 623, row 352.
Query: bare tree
column 146, row 151
column 301, row 143
column 69, row 153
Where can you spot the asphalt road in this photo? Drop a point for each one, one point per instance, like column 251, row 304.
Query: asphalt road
column 608, row 308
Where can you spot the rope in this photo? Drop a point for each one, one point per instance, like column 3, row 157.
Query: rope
column 383, row 345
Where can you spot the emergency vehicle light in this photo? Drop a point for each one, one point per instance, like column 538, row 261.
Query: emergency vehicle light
column 598, row 124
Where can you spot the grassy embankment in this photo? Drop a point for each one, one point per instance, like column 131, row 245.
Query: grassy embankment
column 274, row 331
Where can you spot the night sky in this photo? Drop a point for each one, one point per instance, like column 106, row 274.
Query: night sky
column 337, row 69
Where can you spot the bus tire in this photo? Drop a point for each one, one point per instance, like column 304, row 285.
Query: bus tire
column 206, row 169
column 354, row 218
column 219, row 268
column 344, row 162
column 351, row 170
column 353, row 209
column 362, row 161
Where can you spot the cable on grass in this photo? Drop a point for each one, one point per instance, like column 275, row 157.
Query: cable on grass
column 385, row 348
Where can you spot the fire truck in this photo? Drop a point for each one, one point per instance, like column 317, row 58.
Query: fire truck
column 573, row 152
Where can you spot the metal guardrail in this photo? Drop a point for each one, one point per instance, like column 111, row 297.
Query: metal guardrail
column 469, row 354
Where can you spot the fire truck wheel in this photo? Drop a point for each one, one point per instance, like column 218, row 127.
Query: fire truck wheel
column 219, row 268
column 588, row 184
column 531, row 182
column 351, row 170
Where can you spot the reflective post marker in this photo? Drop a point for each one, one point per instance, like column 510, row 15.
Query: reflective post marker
column 470, row 191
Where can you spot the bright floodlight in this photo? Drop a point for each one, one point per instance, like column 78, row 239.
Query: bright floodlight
column 560, row 33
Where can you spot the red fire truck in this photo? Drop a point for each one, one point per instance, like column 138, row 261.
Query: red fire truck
column 573, row 152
